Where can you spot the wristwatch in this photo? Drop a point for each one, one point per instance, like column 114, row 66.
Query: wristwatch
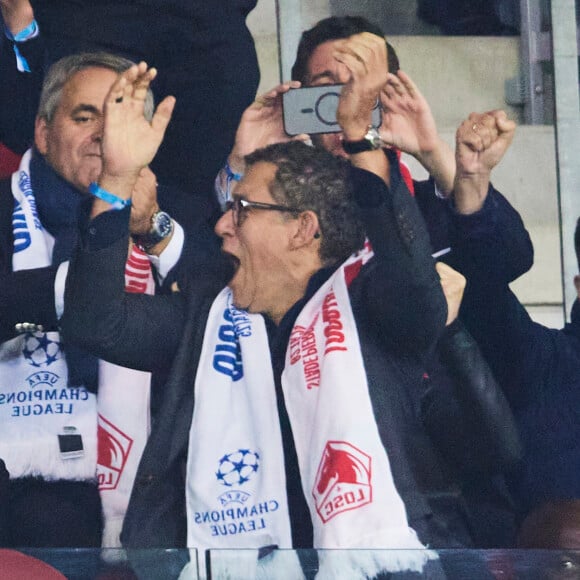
column 161, row 228
column 370, row 142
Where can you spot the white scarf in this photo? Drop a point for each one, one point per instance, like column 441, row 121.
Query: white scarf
column 235, row 478
column 118, row 420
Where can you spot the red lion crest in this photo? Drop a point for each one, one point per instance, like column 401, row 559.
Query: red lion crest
column 343, row 480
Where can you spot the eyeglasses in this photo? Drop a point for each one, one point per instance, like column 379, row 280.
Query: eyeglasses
column 240, row 206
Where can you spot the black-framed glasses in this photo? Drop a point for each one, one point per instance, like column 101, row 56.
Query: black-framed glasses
column 240, row 207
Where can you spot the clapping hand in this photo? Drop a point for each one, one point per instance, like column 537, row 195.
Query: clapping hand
column 130, row 141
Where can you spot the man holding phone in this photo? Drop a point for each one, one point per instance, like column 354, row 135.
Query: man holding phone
column 344, row 51
column 353, row 52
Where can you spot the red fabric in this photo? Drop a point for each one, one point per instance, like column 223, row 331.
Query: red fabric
column 405, row 174
column 16, row 566
column 9, row 161
column 137, row 271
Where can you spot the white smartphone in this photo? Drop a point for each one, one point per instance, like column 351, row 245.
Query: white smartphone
column 312, row 110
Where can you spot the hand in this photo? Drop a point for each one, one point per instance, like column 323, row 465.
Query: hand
column 144, row 202
column 453, row 285
column 407, row 121
column 17, row 14
column 408, row 125
column 130, row 141
column 481, row 142
column 262, row 124
column 365, row 57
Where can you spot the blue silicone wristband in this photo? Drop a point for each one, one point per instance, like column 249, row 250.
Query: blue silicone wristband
column 116, row 202
column 231, row 174
column 29, row 32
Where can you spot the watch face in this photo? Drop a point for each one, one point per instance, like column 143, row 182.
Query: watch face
column 374, row 138
column 161, row 224
column 371, row 141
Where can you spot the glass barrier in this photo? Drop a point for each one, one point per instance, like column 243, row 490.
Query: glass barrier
column 109, row 564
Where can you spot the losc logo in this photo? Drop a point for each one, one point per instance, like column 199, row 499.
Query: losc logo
column 114, row 447
column 343, row 480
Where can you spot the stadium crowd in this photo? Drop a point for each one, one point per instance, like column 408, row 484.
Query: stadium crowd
column 216, row 334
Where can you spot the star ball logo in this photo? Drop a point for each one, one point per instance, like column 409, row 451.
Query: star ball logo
column 39, row 350
column 238, row 467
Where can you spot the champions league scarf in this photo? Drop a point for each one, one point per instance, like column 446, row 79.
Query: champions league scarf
column 37, row 408
column 235, row 490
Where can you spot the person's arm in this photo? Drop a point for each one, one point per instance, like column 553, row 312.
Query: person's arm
column 133, row 330
column 519, row 351
column 408, row 124
column 481, row 142
column 469, row 415
column 487, row 233
column 403, row 294
column 492, row 241
column 192, row 250
column 365, row 57
column 21, row 71
column 17, row 15
column 261, row 125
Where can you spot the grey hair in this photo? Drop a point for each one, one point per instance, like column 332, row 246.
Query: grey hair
column 308, row 178
column 64, row 69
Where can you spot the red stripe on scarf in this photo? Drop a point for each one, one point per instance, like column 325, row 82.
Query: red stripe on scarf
column 137, row 271
column 405, row 174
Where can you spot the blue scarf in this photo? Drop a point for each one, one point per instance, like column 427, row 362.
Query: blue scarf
column 59, row 205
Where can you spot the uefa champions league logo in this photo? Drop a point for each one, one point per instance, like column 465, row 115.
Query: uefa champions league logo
column 238, row 467
column 39, row 350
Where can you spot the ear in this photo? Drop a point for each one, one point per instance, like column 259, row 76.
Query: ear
column 307, row 230
column 577, row 284
column 41, row 135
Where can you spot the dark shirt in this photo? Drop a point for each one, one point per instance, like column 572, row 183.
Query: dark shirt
column 539, row 370
column 278, row 338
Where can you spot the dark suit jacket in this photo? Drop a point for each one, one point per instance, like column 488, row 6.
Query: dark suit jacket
column 539, row 370
column 156, row 332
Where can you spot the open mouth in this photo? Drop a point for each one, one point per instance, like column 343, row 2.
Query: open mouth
column 234, row 262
